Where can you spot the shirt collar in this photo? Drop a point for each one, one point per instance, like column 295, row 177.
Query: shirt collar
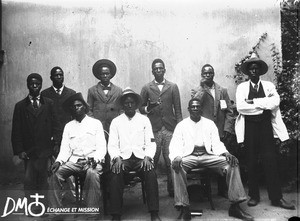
column 254, row 83
column 60, row 89
column 109, row 85
column 37, row 98
column 163, row 82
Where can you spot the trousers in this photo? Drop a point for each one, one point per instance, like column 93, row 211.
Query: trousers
column 217, row 164
column 259, row 143
column 91, row 188
column 116, row 187
column 163, row 138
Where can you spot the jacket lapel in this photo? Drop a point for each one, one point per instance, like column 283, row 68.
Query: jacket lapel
column 217, row 97
column 165, row 87
column 101, row 93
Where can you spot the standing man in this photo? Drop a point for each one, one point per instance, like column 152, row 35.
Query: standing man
column 216, row 107
column 196, row 143
column 34, row 131
column 161, row 103
column 131, row 146
column 259, row 121
column 58, row 93
column 83, row 147
column 102, row 97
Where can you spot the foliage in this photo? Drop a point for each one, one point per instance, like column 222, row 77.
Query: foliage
column 240, row 77
column 288, row 79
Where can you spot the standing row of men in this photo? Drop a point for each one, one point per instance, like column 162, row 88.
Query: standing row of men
column 135, row 141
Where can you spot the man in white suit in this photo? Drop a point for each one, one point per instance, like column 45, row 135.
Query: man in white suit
column 131, row 146
column 259, row 121
column 196, row 143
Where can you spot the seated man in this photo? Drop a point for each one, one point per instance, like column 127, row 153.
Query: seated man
column 131, row 146
column 196, row 143
column 82, row 149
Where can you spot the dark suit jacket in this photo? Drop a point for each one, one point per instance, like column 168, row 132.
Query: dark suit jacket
column 168, row 113
column 224, row 119
column 33, row 130
column 103, row 107
column 58, row 100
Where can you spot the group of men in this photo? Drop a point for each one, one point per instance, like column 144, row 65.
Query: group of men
column 59, row 122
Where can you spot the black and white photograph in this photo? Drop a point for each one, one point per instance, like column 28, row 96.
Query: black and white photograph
column 149, row 110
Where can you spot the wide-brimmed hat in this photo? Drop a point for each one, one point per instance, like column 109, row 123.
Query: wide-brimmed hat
column 104, row 62
column 128, row 91
column 69, row 101
column 254, row 59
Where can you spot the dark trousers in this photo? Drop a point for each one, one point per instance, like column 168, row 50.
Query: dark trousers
column 116, row 186
column 35, row 180
column 259, row 142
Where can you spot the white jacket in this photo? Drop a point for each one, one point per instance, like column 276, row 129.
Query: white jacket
column 270, row 102
column 186, row 136
column 127, row 136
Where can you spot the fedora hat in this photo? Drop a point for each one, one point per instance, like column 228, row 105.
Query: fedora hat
column 254, row 59
column 128, row 91
column 69, row 101
column 101, row 63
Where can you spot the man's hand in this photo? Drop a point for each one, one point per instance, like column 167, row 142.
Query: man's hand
column 232, row 160
column 249, row 101
column 55, row 166
column 23, row 156
column 151, row 105
column 147, row 164
column 176, row 164
column 117, row 166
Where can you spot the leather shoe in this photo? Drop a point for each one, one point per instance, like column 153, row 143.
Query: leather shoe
column 236, row 211
column 284, row 204
column 185, row 214
column 154, row 216
column 253, row 202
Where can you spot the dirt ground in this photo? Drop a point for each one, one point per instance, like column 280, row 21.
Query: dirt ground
column 134, row 209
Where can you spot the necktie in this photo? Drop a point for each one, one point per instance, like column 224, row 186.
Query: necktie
column 106, row 88
column 162, row 83
column 255, row 87
column 35, row 103
column 58, row 91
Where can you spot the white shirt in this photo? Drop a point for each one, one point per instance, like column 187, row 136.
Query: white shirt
column 160, row 85
column 82, row 140
column 212, row 90
column 129, row 136
column 188, row 133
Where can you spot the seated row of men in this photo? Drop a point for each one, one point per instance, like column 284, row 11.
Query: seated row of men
column 131, row 146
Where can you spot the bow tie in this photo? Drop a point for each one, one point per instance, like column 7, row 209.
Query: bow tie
column 106, row 88
column 162, row 83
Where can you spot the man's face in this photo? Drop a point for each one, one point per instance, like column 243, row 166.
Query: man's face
column 208, row 74
column 78, row 108
column 34, row 86
column 195, row 110
column 129, row 106
column 254, row 72
column 57, row 78
column 158, row 71
column 105, row 75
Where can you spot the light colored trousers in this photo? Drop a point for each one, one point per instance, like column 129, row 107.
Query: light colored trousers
column 91, row 188
column 217, row 164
